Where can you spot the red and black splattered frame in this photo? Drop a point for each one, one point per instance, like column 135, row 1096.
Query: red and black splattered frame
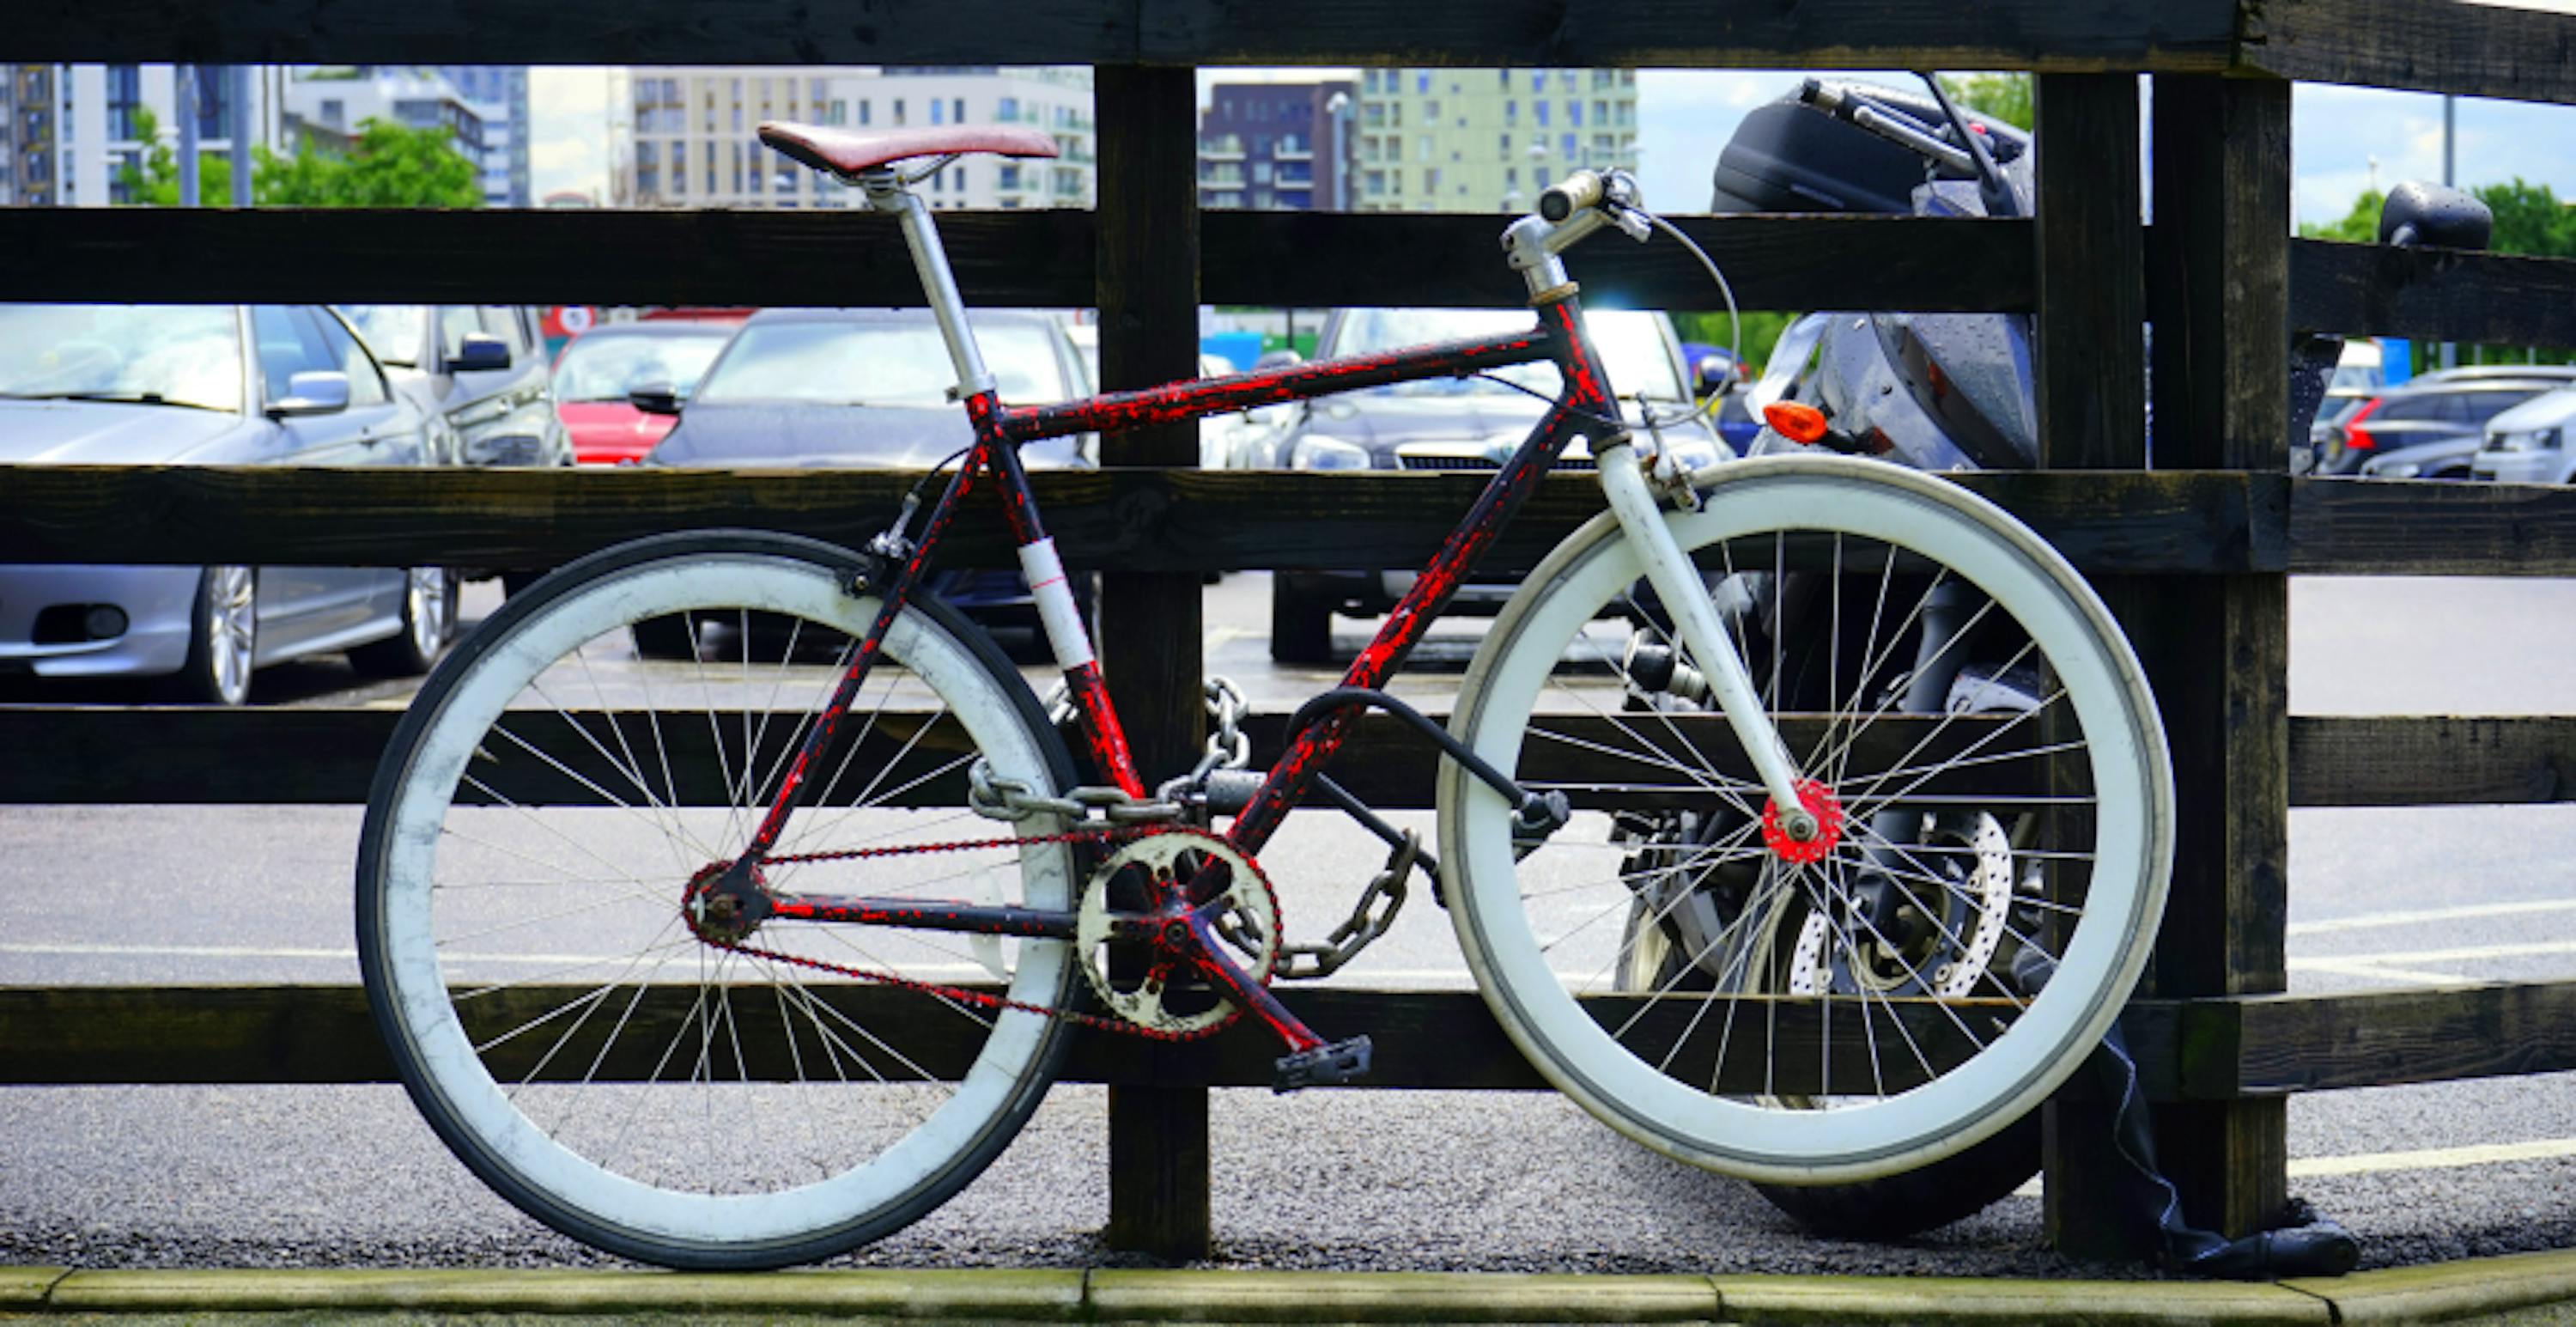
column 1585, row 409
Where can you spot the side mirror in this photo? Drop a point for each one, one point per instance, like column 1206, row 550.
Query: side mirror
column 2419, row 214
column 1714, row 375
column 655, row 398
column 1789, row 356
column 318, row 392
column 480, row 352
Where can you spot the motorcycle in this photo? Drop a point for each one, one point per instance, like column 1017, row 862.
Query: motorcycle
column 1938, row 392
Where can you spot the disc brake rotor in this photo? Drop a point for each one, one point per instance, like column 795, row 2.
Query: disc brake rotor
column 1976, row 909
column 1249, row 924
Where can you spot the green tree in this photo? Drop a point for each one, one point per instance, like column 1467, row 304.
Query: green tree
column 387, row 165
column 2529, row 219
column 2006, row 97
column 2358, row 226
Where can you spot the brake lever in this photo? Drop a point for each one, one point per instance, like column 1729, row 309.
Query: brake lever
column 1633, row 222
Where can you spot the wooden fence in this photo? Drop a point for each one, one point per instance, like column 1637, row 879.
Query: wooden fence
column 2195, row 553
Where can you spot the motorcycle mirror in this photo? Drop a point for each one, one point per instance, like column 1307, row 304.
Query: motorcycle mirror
column 2420, row 214
column 1789, row 356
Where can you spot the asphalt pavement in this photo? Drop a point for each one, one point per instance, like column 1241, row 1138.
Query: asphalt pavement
column 1422, row 1181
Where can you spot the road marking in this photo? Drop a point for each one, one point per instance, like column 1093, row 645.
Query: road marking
column 2373, row 970
column 2464, row 953
column 2431, row 1158
column 2417, row 917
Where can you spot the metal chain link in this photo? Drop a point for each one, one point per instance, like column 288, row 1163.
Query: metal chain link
column 1368, row 920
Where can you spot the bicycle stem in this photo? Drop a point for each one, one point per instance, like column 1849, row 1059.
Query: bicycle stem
column 1677, row 584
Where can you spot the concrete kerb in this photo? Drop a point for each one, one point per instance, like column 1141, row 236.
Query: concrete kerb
column 2407, row 1294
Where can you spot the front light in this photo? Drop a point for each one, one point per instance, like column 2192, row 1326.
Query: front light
column 1314, row 451
column 2528, row 440
column 2405, row 470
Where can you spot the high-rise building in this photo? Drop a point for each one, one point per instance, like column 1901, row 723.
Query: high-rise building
column 332, row 102
column 1277, row 146
column 499, row 94
column 27, row 153
column 98, row 110
column 1475, row 140
column 694, row 142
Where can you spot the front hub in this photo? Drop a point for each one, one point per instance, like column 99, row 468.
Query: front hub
column 1824, row 813
column 726, row 901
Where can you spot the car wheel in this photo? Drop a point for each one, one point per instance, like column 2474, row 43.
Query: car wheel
column 428, row 618
column 223, row 637
column 1301, row 623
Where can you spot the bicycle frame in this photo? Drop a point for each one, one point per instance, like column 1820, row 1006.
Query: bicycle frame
column 1586, row 409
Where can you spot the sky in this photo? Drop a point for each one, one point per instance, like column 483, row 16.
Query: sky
column 2338, row 136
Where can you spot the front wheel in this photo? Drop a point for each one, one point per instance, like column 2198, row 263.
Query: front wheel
column 623, row 1059
column 1861, row 1005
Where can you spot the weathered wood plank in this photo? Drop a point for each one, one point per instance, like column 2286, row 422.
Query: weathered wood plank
column 2523, row 51
column 289, row 757
column 2378, row 1038
column 2222, row 347
column 1848, row 34
column 1041, row 258
column 1148, row 294
column 2381, row 527
column 1142, row 520
column 2431, row 760
column 2434, row 294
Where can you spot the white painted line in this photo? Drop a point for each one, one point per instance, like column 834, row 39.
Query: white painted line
column 2373, row 970
column 2470, row 953
column 2422, row 916
column 2431, row 1158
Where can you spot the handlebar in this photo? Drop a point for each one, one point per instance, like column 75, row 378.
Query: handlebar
column 1575, row 192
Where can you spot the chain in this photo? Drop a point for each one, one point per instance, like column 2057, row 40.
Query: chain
column 962, row 994
column 1369, row 919
column 1227, row 746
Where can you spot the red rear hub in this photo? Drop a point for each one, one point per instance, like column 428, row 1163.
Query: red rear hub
column 1821, row 803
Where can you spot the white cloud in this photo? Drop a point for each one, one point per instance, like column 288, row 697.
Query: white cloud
column 568, row 129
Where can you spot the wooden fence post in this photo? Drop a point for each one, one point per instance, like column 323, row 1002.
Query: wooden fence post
column 2221, row 307
column 1148, row 278
column 2092, row 416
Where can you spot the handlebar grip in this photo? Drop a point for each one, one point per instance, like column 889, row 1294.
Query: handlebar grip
column 1575, row 192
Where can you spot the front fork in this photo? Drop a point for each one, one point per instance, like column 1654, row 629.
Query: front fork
column 1677, row 583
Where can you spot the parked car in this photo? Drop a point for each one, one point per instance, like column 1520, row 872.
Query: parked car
column 2529, row 443
column 2437, row 419
column 868, row 387
column 479, row 369
column 601, row 367
column 1453, row 424
column 206, row 385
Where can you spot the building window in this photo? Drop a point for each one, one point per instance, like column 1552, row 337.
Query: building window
column 937, row 111
column 1007, row 109
column 1574, row 113
column 1566, row 80
column 1431, row 112
column 1431, row 180
column 1539, row 109
column 124, row 93
column 1511, row 112
column 1569, row 147
column 1538, row 81
column 863, row 110
column 898, row 111
column 1422, row 83
column 957, row 111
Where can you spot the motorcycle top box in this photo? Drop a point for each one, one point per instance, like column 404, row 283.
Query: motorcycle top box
column 1789, row 156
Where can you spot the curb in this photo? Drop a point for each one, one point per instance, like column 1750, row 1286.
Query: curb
column 2404, row 1294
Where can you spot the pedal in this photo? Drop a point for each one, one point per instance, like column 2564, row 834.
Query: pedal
column 1325, row 1066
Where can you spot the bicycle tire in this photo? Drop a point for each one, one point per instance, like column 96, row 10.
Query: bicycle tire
column 1520, row 933
column 824, row 1131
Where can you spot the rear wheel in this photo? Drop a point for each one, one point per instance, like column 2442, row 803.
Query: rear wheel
column 1862, row 1005
column 604, row 1038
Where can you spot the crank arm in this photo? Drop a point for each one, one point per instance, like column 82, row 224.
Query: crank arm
column 1205, row 953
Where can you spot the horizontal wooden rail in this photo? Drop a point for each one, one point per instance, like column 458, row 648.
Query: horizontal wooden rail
column 2187, row 1050
column 2186, row 35
column 1130, row 520
column 2432, row 294
column 223, row 757
column 2106, row 522
column 1026, row 258
column 2519, row 50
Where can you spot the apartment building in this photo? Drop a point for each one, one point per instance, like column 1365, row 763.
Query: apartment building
column 1487, row 140
column 499, row 95
column 27, row 151
column 693, row 140
column 1277, row 146
column 94, row 121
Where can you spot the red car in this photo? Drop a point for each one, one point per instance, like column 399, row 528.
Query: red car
column 596, row 372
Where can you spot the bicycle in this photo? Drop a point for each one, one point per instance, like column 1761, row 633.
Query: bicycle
column 1895, row 892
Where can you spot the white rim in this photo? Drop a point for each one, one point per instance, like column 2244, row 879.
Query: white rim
column 1910, row 1128
column 232, row 626
column 992, row 1085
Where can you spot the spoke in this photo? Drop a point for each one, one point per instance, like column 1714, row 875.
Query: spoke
column 1817, row 756
column 724, row 763
column 656, row 945
column 1863, row 797
column 676, row 827
column 1911, row 971
column 2005, row 920
column 866, row 729
column 570, row 773
column 1762, row 894
column 540, row 919
column 1963, row 760
column 1896, row 695
column 1895, row 1017
column 642, row 889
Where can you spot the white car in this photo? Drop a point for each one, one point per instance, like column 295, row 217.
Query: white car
column 2529, row 443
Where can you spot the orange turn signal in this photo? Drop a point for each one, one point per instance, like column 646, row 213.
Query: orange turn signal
column 1798, row 423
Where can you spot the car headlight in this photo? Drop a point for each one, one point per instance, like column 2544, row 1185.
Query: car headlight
column 1315, row 451
column 2402, row 470
column 2528, row 440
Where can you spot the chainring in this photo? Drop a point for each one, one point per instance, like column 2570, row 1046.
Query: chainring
column 1173, row 856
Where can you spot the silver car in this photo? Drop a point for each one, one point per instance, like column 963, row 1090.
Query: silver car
column 206, row 385
column 2529, row 443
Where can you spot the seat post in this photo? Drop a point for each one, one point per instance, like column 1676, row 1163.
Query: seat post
column 886, row 193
